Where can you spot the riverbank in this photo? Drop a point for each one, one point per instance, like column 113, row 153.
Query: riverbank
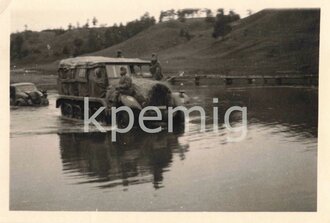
column 48, row 80
column 43, row 81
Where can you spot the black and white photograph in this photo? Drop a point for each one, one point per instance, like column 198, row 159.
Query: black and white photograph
column 163, row 106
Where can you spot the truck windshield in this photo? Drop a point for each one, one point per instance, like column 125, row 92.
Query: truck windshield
column 113, row 71
column 141, row 70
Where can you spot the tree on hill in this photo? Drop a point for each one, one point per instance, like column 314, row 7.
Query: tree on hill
column 94, row 21
column 169, row 14
column 117, row 34
column 86, row 24
column 94, row 41
column 31, row 44
column 184, row 32
column 16, row 47
column 222, row 23
column 58, row 31
column 184, row 13
column 161, row 16
column 209, row 16
column 181, row 15
column 137, row 26
column 232, row 16
column 66, row 50
column 78, row 43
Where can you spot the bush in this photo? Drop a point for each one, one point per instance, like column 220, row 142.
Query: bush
column 210, row 19
column 185, row 33
column 16, row 47
column 65, row 50
column 116, row 34
column 222, row 23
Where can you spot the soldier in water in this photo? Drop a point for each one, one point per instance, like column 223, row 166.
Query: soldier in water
column 155, row 68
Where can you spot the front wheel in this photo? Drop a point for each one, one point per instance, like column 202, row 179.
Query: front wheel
column 77, row 112
column 123, row 118
column 179, row 118
column 19, row 103
column 179, row 122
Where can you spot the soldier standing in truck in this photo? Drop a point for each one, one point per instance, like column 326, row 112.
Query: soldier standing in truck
column 119, row 54
column 155, row 68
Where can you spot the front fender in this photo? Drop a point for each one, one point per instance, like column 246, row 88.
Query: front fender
column 21, row 102
column 130, row 102
column 22, row 95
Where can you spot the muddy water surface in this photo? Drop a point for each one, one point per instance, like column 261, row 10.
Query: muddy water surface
column 55, row 166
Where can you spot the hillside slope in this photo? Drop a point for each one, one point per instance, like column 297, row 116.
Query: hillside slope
column 34, row 48
column 49, row 45
column 268, row 42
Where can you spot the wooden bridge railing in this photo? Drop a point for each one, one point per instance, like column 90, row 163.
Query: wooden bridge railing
column 307, row 79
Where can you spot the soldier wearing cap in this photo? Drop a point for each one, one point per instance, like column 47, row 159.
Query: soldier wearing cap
column 125, row 87
column 119, row 54
column 125, row 82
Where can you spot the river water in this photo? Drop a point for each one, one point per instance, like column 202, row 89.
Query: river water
column 55, row 166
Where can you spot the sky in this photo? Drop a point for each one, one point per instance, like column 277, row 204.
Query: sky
column 44, row 14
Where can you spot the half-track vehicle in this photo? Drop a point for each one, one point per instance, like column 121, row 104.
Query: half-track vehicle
column 98, row 78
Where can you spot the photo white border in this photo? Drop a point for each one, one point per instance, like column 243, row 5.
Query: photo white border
column 323, row 205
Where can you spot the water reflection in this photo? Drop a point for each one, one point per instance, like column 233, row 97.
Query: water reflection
column 138, row 157
column 135, row 158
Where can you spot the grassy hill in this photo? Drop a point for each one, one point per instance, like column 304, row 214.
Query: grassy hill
column 35, row 48
column 268, row 42
column 47, row 46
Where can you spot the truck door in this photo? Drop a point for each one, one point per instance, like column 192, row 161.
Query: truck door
column 98, row 82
